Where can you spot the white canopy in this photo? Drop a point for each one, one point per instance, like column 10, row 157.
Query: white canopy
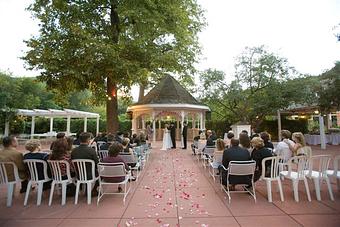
column 53, row 113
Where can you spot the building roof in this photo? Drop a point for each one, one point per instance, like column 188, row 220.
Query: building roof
column 168, row 91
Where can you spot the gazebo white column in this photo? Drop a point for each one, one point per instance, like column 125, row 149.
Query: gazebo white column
column 143, row 123
column 322, row 132
column 97, row 128
column 68, row 125
column 201, row 121
column 193, row 121
column 85, row 124
column 182, row 122
column 32, row 126
column 6, row 128
column 133, row 123
column 279, row 125
column 51, row 124
column 153, row 127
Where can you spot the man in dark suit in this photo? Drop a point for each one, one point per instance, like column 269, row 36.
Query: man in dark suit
column 235, row 153
column 84, row 151
column 173, row 135
column 184, row 134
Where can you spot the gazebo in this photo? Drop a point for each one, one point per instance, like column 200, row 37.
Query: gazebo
column 53, row 113
column 167, row 101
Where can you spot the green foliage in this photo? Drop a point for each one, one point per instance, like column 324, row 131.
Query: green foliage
column 329, row 90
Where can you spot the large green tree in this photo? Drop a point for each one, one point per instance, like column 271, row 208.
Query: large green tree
column 108, row 45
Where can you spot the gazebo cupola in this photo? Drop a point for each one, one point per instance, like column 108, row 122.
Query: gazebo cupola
column 168, row 98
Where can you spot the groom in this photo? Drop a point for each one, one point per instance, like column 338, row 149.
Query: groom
column 173, row 135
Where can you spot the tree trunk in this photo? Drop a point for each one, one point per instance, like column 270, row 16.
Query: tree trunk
column 141, row 91
column 112, row 124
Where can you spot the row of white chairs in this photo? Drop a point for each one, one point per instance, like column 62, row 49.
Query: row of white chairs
column 298, row 168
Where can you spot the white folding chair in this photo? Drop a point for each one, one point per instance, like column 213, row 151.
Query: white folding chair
column 131, row 159
column 241, row 168
column 207, row 154
column 298, row 175
column 273, row 175
column 113, row 170
column 103, row 154
column 6, row 167
column 81, row 165
column 55, row 167
column 32, row 165
column 138, row 151
column 99, row 144
column 335, row 173
column 214, row 163
column 319, row 174
column 199, row 149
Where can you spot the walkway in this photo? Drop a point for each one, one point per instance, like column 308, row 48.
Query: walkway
column 175, row 190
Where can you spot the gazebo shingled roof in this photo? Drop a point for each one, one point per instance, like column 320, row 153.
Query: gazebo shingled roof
column 168, row 91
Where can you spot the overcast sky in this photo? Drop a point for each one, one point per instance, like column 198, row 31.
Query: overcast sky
column 300, row 30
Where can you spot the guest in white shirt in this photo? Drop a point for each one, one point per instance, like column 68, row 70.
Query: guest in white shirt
column 283, row 147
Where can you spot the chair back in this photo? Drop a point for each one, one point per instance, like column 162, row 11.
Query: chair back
column 336, row 164
column 209, row 151
column 138, row 151
column 306, row 150
column 99, row 144
column 195, row 144
column 56, row 169
column 103, row 154
column 201, row 146
column 319, row 163
column 111, row 169
column 273, row 163
column 218, row 157
column 81, row 166
column 6, row 167
column 128, row 158
column 240, row 168
column 302, row 165
column 32, row 165
column 94, row 146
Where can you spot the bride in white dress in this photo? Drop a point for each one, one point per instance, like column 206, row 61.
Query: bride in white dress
column 167, row 143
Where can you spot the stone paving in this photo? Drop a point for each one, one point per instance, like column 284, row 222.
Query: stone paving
column 175, row 190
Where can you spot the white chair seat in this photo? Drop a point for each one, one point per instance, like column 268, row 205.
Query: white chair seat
column 331, row 173
column 293, row 175
column 272, row 175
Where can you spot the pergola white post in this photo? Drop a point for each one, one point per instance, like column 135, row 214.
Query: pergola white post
column 32, row 126
column 97, row 128
column 85, row 124
column 182, row 122
column 322, row 132
column 68, row 125
column 329, row 120
column 6, row 128
column 51, row 124
column 143, row 123
column 279, row 124
column 153, row 127
column 133, row 123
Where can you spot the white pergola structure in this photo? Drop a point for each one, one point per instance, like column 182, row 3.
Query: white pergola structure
column 53, row 113
column 168, row 100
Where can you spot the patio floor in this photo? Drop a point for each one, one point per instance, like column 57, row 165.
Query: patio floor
column 175, row 190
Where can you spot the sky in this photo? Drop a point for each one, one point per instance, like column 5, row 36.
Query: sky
column 300, row 30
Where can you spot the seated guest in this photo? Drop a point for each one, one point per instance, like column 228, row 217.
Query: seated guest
column 235, row 153
column 196, row 139
column 77, row 141
column 202, row 135
column 114, row 157
column 33, row 148
column 300, row 147
column 258, row 154
column 61, row 152
column 126, row 148
column 84, row 151
column 283, row 147
column 266, row 140
column 135, row 140
column 230, row 135
column 70, row 142
column 60, row 135
column 110, row 140
column 245, row 141
column 142, row 137
column 218, row 153
column 119, row 137
column 10, row 154
column 210, row 139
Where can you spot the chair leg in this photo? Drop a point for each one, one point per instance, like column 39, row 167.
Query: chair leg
column 77, row 193
column 317, row 188
column 269, row 190
column 40, row 190
column 338, row 183
column 10, row 190
column 307, row 189
column 51, row 193
column 63, row 193
column 89, row 189
column 329, row 189
column 296, row 190
column 280, row 189
column 29, row 186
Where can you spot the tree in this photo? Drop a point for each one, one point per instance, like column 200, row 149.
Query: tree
column 108, row 45
column 329, row 89
column 264, row 83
